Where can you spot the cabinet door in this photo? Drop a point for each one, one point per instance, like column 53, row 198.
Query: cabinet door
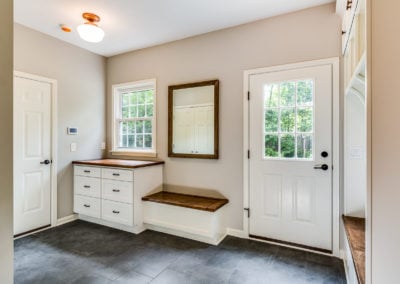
column 120, row 191
column 183, row 131
column 87, row 186
column 87, row 171
column 204, row 129
column 88, row 206
column 117, row 212
column 117, row 174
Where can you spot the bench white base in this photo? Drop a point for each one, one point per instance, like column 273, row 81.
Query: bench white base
column 203, row 226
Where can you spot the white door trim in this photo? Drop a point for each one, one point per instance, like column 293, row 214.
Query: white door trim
column 53, row 183
column 336, row 173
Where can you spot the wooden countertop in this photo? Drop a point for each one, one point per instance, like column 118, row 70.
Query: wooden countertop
column 355, row 231
column 116, row 163
column 188, row 201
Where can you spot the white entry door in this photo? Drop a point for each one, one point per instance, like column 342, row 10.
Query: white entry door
column 290, row 125
column 32, row 150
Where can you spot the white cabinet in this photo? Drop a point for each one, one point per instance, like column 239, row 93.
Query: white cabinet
column 194, row 130
column 112, row 196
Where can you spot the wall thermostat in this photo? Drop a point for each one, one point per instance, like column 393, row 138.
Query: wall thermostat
column 72, row 131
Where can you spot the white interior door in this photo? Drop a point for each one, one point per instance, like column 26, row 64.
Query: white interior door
column 32, row 150
column 290, row 126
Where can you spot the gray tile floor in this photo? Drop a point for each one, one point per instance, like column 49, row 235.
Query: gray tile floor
column 81, row 252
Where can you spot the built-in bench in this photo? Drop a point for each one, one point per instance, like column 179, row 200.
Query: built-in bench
column 195, row 217
column 355, row 232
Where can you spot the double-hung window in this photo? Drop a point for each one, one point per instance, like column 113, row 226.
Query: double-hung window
column 134, row 118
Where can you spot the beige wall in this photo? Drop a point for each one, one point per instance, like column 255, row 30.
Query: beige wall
column 81, row 98
column 6, row 141
column 385, row 73
column 224, row 55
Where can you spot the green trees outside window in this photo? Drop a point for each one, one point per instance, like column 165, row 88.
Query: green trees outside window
column 136, row 125
column 288, row 110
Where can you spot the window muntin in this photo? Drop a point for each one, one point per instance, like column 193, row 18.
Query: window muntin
column 289, row 120
column 134, row 117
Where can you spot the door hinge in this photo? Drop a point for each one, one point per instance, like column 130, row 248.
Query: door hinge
column 248, row 95
column 248, row 154
column 248, row 212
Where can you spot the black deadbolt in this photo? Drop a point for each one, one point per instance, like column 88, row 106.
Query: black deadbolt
column 324, row 154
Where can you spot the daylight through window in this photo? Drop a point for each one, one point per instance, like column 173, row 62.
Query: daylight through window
column 289, row 119
column 134, row 121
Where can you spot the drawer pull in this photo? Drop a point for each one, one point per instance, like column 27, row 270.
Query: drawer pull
column 86, row 186
column 115, row 212
column 86, row 171
column 116, row 175
column 86, row 205
column 116, row 190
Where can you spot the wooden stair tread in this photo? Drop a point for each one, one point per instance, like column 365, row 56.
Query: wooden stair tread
column 355, row 231
column 188, row 201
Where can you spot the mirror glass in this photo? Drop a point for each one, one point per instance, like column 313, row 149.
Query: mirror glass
column 193, row 120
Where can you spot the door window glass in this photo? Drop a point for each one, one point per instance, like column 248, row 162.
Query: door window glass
column 289, row 120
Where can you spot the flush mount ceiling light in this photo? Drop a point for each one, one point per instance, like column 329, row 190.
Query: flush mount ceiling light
column 89, row 31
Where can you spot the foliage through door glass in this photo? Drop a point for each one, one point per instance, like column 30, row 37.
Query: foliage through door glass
column 289, row 119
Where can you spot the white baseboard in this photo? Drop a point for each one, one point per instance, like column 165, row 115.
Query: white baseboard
column 236, row 233
column 67, row 219
column 130, row 229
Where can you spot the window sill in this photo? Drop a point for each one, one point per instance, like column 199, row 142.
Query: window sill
column 134, row 154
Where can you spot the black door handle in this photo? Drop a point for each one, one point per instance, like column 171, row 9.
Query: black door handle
column 323, row 167
column 45, row 162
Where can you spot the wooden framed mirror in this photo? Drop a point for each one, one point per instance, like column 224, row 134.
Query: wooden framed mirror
column 193, row 120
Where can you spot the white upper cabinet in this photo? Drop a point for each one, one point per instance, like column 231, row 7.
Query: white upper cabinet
column 194, row 130
column 354, row 37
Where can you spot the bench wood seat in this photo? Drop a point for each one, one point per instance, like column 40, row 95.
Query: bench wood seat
column 188, row 201
column 355, row 231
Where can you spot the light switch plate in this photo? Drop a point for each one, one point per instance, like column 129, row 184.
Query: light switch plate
column 103, row 145
column 356, row 153
column 73, row 147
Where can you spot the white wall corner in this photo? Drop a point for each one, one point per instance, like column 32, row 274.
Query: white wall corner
column 237, row 233
column 67, row 219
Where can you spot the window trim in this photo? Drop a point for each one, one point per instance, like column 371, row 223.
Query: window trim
column 116, row 91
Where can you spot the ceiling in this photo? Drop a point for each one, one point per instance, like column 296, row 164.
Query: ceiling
column 136, row 24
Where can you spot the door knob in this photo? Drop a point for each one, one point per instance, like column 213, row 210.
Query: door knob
column 323, row 167
column 45, row 162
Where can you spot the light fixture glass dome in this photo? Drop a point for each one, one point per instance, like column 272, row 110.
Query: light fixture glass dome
column 90, row 32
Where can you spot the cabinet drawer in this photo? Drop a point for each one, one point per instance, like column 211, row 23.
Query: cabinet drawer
column 117, row 174
column 120, row 191
column 87, row 186
column 87, row 171
column 117, row 212
column 88, row 206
